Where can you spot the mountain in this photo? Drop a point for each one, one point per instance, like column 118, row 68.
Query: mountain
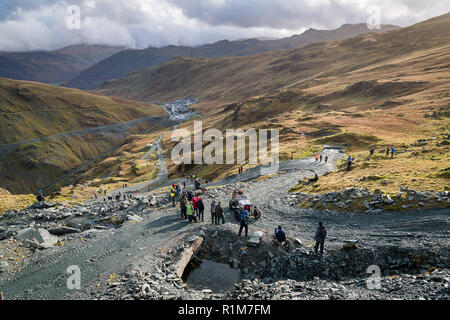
column 238, row 78
column 53, row 66
column 123, row 63
column 381, row 89
column 46, row 131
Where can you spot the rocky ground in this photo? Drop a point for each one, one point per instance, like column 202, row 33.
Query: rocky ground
column 129, row 249
column 357, row 199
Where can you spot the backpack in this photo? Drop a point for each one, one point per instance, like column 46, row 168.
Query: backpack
column 323, row 233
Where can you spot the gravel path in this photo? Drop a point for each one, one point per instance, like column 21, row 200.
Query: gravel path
column 101, row 253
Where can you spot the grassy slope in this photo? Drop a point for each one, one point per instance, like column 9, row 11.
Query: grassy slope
column 239, row 78
column 376, row 89
column 30, row 110
column 370, row 90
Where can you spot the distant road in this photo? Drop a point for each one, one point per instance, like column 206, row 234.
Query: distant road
column 117, row 128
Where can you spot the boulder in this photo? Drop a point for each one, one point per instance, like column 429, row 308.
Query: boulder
column 6, row 234
column 134, row 218
column 43, row 205
column 255, row 239
column 3, row 266
column 187, row 255
column 81, row 224
column 348, row 246
column 62, row 230
column 37, row 237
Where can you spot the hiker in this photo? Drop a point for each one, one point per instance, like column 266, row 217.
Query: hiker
column 321, row 157
column 349, row 162
column 321, row 234
column 317, row 157
column 219, row 214
column 280, row 235
column 292, row 156
column 201, row 209
column 392, row 152
column 178, row 189
column 372, row 150
column 239, row 170
column 173, row 194
column 326, row 158
column 40, row 197
column 242, row 169
column 194, row 202
column 197, row 184
column 183, row 207
column 190, row 212
column 213, row 211
column 244, row 222
column 189, row 195
column 387, row 150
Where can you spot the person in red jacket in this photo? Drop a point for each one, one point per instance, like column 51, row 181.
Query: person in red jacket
column 195, row 205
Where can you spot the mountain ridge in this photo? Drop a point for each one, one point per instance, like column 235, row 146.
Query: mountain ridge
column 123, row 63
column 53, row 67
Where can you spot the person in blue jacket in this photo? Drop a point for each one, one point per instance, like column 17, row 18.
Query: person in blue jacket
column 244, row 222
column 280, row 235
column 392, row 152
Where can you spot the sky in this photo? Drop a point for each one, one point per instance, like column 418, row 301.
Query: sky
column 52, row 24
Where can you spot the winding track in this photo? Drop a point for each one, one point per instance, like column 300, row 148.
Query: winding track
column 112, row 251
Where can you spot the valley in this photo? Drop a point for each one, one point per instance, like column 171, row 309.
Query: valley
column 364, row 146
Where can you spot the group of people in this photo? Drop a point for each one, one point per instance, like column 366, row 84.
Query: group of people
column 193, row 208
column 320, row 157
column 119, row 196
column 240, row 170
column 217, row 212
column 389, row 150
column 321, row 234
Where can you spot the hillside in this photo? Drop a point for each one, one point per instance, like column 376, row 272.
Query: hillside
column 46, row 131
column 53, row 66
column 239, row 78
column 386, row 89
column 123, row 63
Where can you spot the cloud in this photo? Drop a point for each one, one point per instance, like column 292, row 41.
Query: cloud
column 31, row 25
column 295, row 14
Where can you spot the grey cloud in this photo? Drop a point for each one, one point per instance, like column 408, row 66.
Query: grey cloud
column 8, row 7
column 294, row 14
column 141, row 23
